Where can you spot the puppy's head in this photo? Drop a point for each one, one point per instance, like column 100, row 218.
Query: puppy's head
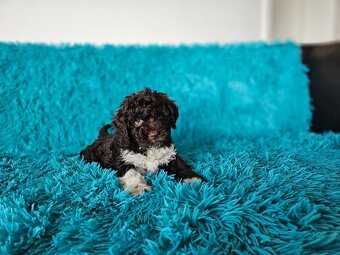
column 146, row 118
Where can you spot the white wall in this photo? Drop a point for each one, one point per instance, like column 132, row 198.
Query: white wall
column 306, row 20
column 129, row 21
column 168, row 21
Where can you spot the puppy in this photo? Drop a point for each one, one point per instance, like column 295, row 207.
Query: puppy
column 141, row 143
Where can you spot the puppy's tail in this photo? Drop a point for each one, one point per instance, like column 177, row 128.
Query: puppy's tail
column 103, row 131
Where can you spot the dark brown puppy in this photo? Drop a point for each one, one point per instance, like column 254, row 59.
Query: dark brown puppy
column 141, row 143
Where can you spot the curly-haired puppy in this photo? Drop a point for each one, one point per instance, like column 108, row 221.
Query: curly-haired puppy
column 141, row 142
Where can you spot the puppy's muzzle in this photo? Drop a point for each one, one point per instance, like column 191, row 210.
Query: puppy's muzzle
column 156, row 136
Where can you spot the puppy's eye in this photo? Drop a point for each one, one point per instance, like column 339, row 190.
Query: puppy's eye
column 138, row 123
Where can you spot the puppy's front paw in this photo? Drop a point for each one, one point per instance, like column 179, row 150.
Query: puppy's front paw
column 139, row 189
column 193, row 179
column 134, row 183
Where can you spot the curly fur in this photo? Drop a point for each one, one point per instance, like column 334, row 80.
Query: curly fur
column 142, row 139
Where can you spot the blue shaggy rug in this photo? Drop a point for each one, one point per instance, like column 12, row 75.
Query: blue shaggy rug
column 273, row 187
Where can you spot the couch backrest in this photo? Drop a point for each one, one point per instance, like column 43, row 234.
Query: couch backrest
column 55, row 98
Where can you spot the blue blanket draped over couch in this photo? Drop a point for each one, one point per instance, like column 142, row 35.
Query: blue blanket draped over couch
column 245, row 111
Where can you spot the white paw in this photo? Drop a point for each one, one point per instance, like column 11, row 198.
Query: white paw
column 193, row 179
column 134, row 182
column 139, row 190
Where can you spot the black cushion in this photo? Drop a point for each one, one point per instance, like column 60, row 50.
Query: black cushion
column 323, row 60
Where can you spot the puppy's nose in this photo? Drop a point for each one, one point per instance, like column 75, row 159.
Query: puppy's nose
column 153, row 134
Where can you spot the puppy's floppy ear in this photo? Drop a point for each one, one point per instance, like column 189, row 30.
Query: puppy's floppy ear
column 119, row 122
column 174, row 113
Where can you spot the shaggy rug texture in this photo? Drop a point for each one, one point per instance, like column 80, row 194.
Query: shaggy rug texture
column 272, row 187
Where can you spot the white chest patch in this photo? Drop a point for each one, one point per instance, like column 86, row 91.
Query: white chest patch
column 150, row 162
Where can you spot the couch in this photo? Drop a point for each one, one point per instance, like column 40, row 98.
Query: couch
column 273, row 186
